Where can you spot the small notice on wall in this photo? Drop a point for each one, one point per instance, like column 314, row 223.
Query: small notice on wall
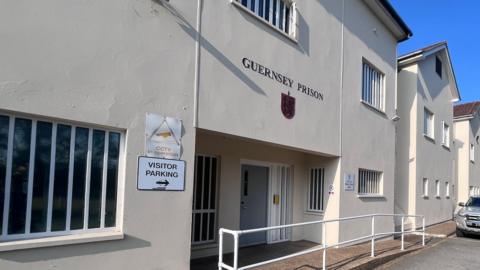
column 163, row 136
column 160, row 174
column 349, row 182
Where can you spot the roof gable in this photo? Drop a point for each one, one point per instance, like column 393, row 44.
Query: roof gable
column 466, row 110
column 423, row 53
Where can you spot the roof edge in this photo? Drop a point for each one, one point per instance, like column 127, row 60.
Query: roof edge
column 396, row 17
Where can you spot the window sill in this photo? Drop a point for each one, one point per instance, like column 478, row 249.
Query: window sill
column 262, row 20
column 425, row 196
column 205, row 246
column 438, row 197
column 370, row 196
column 314, row 213
column 383, row 113
column 60, row 240
column 431, row 139
column 446, row 147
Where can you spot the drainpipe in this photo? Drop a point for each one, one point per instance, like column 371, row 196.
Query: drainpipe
column 196, row 85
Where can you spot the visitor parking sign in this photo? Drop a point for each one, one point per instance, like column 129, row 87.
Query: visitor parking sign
column 160, row 174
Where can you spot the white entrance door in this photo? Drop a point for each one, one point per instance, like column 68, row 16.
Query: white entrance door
column 280, row 211
column 253, row 205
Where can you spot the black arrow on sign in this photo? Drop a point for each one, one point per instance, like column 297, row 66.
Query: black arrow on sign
column 164, row 182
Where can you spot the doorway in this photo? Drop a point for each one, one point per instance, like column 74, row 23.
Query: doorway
column 254, row 205
column 266, row 195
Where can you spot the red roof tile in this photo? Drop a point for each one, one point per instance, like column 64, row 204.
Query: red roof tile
column 466, row 109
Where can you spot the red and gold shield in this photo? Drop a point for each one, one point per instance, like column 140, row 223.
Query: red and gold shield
column 288, row 106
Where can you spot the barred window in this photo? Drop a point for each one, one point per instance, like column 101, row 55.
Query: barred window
column 278, row 13
column 437, row 188
column 369, row 182
column 447, row 189
column 316, row 189
column 204, row 219
column 373, row 89
column 56, row 178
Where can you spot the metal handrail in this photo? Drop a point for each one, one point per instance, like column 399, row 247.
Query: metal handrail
column 236, row 234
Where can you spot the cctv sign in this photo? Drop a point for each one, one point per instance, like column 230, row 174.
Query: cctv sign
column 160, row 174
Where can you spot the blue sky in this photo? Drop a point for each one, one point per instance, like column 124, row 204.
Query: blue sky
column 455, row 21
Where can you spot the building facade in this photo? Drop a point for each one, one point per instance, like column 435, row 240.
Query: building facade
column 467, row 138
column 282, row 103
column 426, row 154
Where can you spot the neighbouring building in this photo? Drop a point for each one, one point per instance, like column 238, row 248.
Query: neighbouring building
column 467, row 139
column 288, row 113
column 426, row 154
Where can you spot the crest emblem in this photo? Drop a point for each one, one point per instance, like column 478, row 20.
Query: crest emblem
column 288, row 106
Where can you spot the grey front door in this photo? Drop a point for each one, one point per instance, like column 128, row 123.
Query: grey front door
column 253, row 205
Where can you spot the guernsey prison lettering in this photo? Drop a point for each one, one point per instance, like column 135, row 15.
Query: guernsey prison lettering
column 282, row 79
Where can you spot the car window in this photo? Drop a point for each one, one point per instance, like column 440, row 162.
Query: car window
column 473, row 202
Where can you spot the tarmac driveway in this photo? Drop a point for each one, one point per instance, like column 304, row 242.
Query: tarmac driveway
column 452, row 253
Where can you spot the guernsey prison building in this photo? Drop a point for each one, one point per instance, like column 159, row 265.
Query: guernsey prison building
column 131, row 131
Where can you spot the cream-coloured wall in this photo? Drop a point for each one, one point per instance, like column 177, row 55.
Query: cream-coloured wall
column 368, row 143
column 107, row 63
column 232, row 151
column 434, row 160
column 462, row 141
column 406, row 141
column 238, row 101
column 466, row 132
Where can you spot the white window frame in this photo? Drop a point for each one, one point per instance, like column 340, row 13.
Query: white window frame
column 317, row 203
column 472, row 152
column 373, row 86
column 446, row 134
column 425, row 187
column 428, row 117
column 68, row 236
column 291, row 33
column 437, row 188
column 210, row 238
column 370, row 183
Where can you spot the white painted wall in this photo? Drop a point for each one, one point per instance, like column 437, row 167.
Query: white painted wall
column 108, row 63
column 368, row 143
column 418, row 156
column 466, row 132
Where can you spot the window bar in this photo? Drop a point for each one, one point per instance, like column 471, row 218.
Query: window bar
column 194, row 203
column 70, row 177
column 277, row 13
column 323, row 189
column 202, row 199
column 315, row 189
column 281, row 23
column 53, row 150
column 87, row 179
column 270, row 11
column 257, row 3
column 104, row 180
column 8, row 176
column 209, row 196
column 31, row 168
column 319, row 189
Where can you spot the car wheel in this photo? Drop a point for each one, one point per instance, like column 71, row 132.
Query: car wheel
column 459, row 233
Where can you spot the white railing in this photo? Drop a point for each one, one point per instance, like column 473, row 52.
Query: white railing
column 237, row 233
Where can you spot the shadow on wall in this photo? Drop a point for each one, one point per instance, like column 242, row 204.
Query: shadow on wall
column 430, row 87
column 51, row 253
column 192, row 32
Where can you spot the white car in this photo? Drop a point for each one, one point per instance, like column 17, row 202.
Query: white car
column 468, row 217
